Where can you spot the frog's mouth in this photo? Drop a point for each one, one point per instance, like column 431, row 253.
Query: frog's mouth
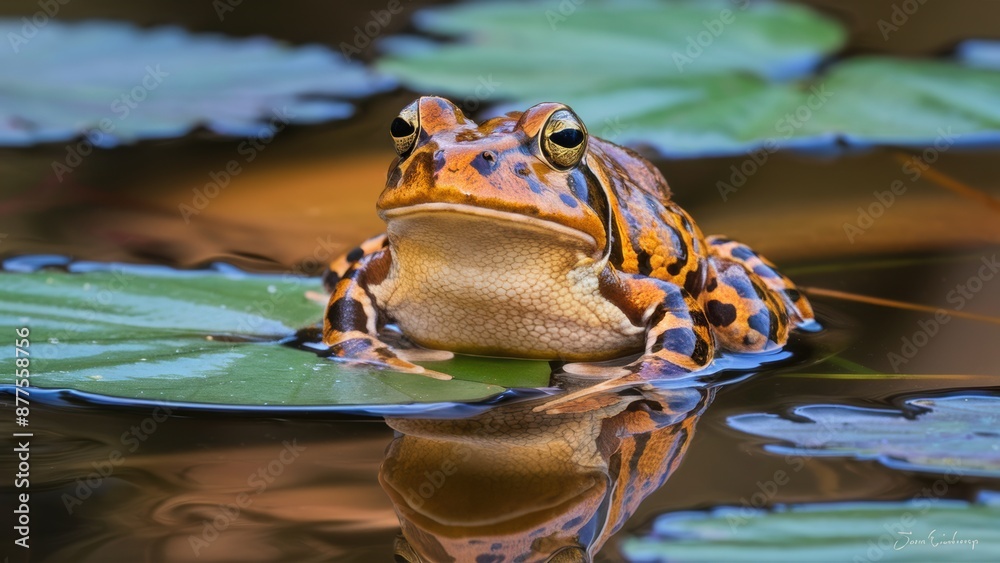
column 469, row 222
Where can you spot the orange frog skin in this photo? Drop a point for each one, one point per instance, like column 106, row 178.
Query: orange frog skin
column 524, row 236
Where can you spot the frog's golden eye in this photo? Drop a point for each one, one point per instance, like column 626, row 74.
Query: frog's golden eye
column 564, row 139
column 403, row 130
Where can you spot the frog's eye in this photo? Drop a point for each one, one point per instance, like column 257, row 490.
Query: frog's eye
column 403, row 130
column 564, row 139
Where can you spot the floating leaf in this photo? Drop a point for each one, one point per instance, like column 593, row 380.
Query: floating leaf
column 956, row 435
column 695, row 78
column 114, row 82
column 210, row 337
column 942, row 530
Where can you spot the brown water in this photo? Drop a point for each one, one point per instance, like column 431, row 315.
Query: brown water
column 310, row 480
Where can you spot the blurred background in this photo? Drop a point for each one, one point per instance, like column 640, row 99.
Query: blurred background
column 256, row 135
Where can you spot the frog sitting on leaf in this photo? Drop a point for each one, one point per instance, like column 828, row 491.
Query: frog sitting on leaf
column 526, row 237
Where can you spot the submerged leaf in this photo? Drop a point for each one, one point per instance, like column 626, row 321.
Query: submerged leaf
column 955, row 435
column 695, row 78
column 113, row 82
column 211, row 337
column 940, row 530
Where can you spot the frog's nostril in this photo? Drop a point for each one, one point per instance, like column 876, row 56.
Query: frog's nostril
column 489, row 156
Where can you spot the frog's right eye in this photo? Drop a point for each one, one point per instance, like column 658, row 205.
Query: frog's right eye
column 403, row 130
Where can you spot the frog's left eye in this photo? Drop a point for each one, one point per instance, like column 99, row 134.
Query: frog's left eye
column 403, row 130
column 564, row 139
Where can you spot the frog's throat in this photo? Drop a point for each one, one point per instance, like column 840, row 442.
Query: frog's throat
column 524, row 221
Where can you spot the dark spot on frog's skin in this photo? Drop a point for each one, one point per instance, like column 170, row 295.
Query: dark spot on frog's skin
column 719, row 313
column 572, row 523
column 759, row 322
column 421, row 169
column 643, row 257
column 700, row 354
column 793, row 294
column 772, row 334
column 747, row 341
column 347, row 314
column 764, row 271
column 489, row 558
column 568, row 200
column 712, row 284
column 521, row 169
column 680, row 340
column 355, row 254
column 693, row 281
column 742, row 252
column 439, row 160
column 677, row 244
column 496, row 546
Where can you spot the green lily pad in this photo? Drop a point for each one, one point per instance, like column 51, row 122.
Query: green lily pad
column 956, row 435
column 113, row 82
column 211, row 337
column 940, row 530
column 694, row 78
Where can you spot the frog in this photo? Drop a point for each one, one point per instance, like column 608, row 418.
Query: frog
column 525, row 236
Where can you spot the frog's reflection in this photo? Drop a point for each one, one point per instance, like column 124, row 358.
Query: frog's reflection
column 516, row 485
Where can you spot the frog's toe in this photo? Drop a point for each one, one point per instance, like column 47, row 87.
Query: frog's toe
column 424, row 355
column 317, row 297
column 592, row 397
column 595, row 371
column 365, row 350
column 406, row 367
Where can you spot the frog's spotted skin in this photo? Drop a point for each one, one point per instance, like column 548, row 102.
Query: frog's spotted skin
column 524, row 237
column 339, row 267
column 797, row 305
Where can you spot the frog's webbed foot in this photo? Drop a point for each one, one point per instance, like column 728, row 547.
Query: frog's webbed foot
column 678, row 341
column 360, row 348
column 406, row 349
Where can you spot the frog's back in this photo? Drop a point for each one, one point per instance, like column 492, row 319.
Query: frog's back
column 652, row 235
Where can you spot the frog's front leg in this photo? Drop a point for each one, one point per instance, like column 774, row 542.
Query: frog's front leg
column 678, row 337
column 353, row 318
